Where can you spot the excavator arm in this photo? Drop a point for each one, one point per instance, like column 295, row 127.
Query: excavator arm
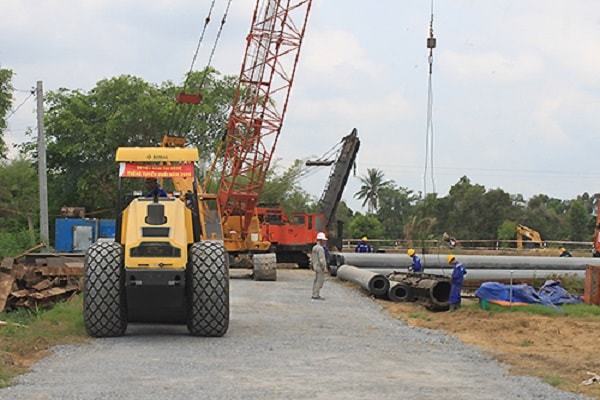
column 532, row 235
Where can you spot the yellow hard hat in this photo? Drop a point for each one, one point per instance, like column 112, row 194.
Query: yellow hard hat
column 562, row 249
column 410, row 252
column 364, row 239
column 450, row 258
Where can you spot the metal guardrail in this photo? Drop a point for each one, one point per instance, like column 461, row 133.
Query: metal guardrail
column 465, row 246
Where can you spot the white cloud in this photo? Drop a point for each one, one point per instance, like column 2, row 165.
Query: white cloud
column 490, row 65
column 515, row 83
column 329, row 51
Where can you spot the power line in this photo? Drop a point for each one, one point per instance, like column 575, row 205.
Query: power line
column 20, row 105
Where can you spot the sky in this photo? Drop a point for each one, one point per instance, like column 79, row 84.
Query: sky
column 515, row 84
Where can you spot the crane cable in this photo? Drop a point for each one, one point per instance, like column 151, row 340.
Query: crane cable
column 181, row 121
column 431, row 43
column 309, row 171
column 206, row 22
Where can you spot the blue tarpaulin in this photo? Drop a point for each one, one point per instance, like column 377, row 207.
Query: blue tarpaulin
column 551, row 293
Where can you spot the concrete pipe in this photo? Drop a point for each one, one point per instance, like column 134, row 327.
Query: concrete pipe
column 471, row 262
column 376, row 284
column 431, row 289
column 400, row 292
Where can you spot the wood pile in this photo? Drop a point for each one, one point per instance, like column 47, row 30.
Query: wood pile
column 39, row 280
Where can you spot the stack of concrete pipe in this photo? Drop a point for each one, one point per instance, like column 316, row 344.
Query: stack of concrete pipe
column 432, row 290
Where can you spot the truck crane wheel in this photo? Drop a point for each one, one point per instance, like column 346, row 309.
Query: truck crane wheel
column 208, row 289
column 265, row 267
column 104, row 303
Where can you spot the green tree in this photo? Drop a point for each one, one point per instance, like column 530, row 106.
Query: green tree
column 6, row 100
column 85, row 128
column 284, row 189
column 544, row 219
column 19, row 204
column 366, row 225
column 579, row 222
column 396, row 207
column 507, row 231
column 465, row 209
column 372, row 184
column 471, row 211
column 496, row 208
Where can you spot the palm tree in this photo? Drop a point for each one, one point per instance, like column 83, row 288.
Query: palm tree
column 372, row 183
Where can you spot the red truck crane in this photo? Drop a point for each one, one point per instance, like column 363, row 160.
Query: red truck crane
column 260, row 104
column 596, row 250
column 292, row 238
column 258, row 111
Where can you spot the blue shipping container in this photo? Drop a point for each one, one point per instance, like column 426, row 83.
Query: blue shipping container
column 77, row 234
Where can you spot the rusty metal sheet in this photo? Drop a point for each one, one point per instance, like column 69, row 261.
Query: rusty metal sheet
column 7, row 263
column 48, row 293
column 41, row 262
column 18, row 271
column 6, row 281
column 60, row 270
column 45, row 284
column 20, row 293
column 74, row 264
column 36, row 284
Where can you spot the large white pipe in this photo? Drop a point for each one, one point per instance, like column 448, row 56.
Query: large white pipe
column 438, row 261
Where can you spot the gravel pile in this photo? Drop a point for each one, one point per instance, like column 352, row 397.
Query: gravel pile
column 280, row 345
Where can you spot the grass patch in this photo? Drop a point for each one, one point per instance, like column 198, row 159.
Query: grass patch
column 28, row 335
column 420, row 315
column 553, row 380
column 580, row 310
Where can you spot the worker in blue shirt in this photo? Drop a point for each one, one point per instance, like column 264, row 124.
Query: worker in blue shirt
column 458, row 276
column 565, row 253
column 154, row 188
column 416, row 261
column 363, row 246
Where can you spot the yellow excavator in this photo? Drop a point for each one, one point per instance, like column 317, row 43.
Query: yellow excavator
column 534, row 238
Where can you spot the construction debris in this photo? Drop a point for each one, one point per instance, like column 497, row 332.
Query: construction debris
column 594, row 379
column 39, row 282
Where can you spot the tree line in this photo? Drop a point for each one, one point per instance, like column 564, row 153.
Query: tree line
column 84, row 129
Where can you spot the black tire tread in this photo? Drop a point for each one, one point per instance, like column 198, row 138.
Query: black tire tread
column 104, row 304
column 208, row 289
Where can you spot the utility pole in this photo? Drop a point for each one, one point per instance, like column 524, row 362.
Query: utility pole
column 43, row 182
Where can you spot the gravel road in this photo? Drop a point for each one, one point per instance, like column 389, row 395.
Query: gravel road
column 280, row 345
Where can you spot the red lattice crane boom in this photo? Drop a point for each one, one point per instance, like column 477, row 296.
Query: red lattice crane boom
column 260, row 103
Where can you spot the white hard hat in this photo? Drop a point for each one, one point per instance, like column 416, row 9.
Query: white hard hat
column 321, row 236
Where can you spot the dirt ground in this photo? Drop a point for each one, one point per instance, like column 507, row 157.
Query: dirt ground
column 559, row 350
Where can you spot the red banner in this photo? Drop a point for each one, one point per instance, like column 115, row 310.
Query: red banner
column 132, row 170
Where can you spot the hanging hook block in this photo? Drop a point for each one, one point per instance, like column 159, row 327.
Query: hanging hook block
column 186, row 98
column 431, row 42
